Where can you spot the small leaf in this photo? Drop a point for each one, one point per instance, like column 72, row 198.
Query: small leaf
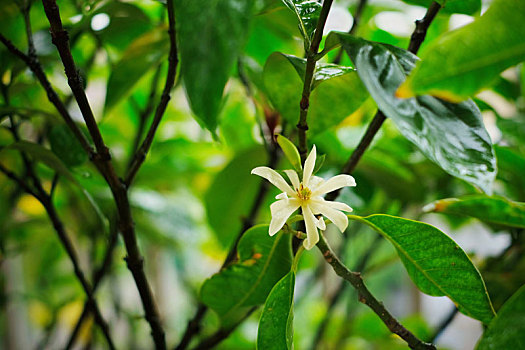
column 335, row 97
column 307, row 12
column 466, row 7
column 64, row 144
column 44, row 155
column 210, row 35
column 435, row 263
column 276, row 324
column 263, row 260
column 290, row 151
column 230, row 196
column 319, row 161
column 493, row 210
column 145, row 53
column 507, row 329
column 451, row 135
column 464, row 61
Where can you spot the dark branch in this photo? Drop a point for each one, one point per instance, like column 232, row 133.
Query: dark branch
column 366, row 297
column 419, row 34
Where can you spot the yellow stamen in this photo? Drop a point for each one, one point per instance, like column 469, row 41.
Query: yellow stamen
column 303, row 193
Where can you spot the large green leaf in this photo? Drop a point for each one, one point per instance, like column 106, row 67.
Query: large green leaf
column 451, row 135
column 210, row 35
column 462, row 62
column 337, row 91
column 263, row 260
column 307, row 12
column 466, row 7
column 494, row 210
column 507, row 330
column 276, row 324
column 145, row 53
column 231, row 195
column 436, row 264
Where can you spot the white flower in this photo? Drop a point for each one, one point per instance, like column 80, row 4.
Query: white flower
column 306, row 195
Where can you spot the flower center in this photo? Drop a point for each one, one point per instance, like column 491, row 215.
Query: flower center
column 303, row 193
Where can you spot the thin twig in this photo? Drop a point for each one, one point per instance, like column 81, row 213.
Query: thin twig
column 360, row 266
column 366, row 297
column 18, row 180
column 353, row 29
column 311, row 54
column 173, row 60
column 97, row 279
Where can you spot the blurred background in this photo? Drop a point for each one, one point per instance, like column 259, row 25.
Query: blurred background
column 193, row 192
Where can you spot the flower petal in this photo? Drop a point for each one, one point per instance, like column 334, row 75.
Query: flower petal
column 338, row 218
column 274, row 177
column 321, row 224
column 339, row 206
column 312, row 235
column 282, row 195
column 281, row 211
column 309, row 165
column 294, row 178
column 333, row 184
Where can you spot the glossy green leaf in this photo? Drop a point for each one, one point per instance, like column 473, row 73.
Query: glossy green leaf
column 507, row 330
column 44, row 155
column 494, row 210
column 145, row 53
column 230, row 196
column 210, row 35
column 451, row 135
column 466, row 7
column 464, row 61
column 334, row 97
column 435, row 263
column 65, row 145
column 263, row 261
column 290, row 151
column 276, row 324
column 307, row 12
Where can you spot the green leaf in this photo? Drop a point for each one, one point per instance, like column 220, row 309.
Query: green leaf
column 210, row 35
column 451, row 135
column 263, row 260
column 334, row 98
column 464, row 61
column 290, row 151
column 507, row 330
column 65, row 145
column 307, row 12
column 276, row 324
column 435, row 263
column 44, row 155
column 466, row 7
column 494, row 210
column 145, row 53
column 230, row 196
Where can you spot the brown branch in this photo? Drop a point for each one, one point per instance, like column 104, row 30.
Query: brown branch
column 311, row 60
column 366, row 297
column 18, row 180
column 419, row 34
column 102, row 160
column 173, row 61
